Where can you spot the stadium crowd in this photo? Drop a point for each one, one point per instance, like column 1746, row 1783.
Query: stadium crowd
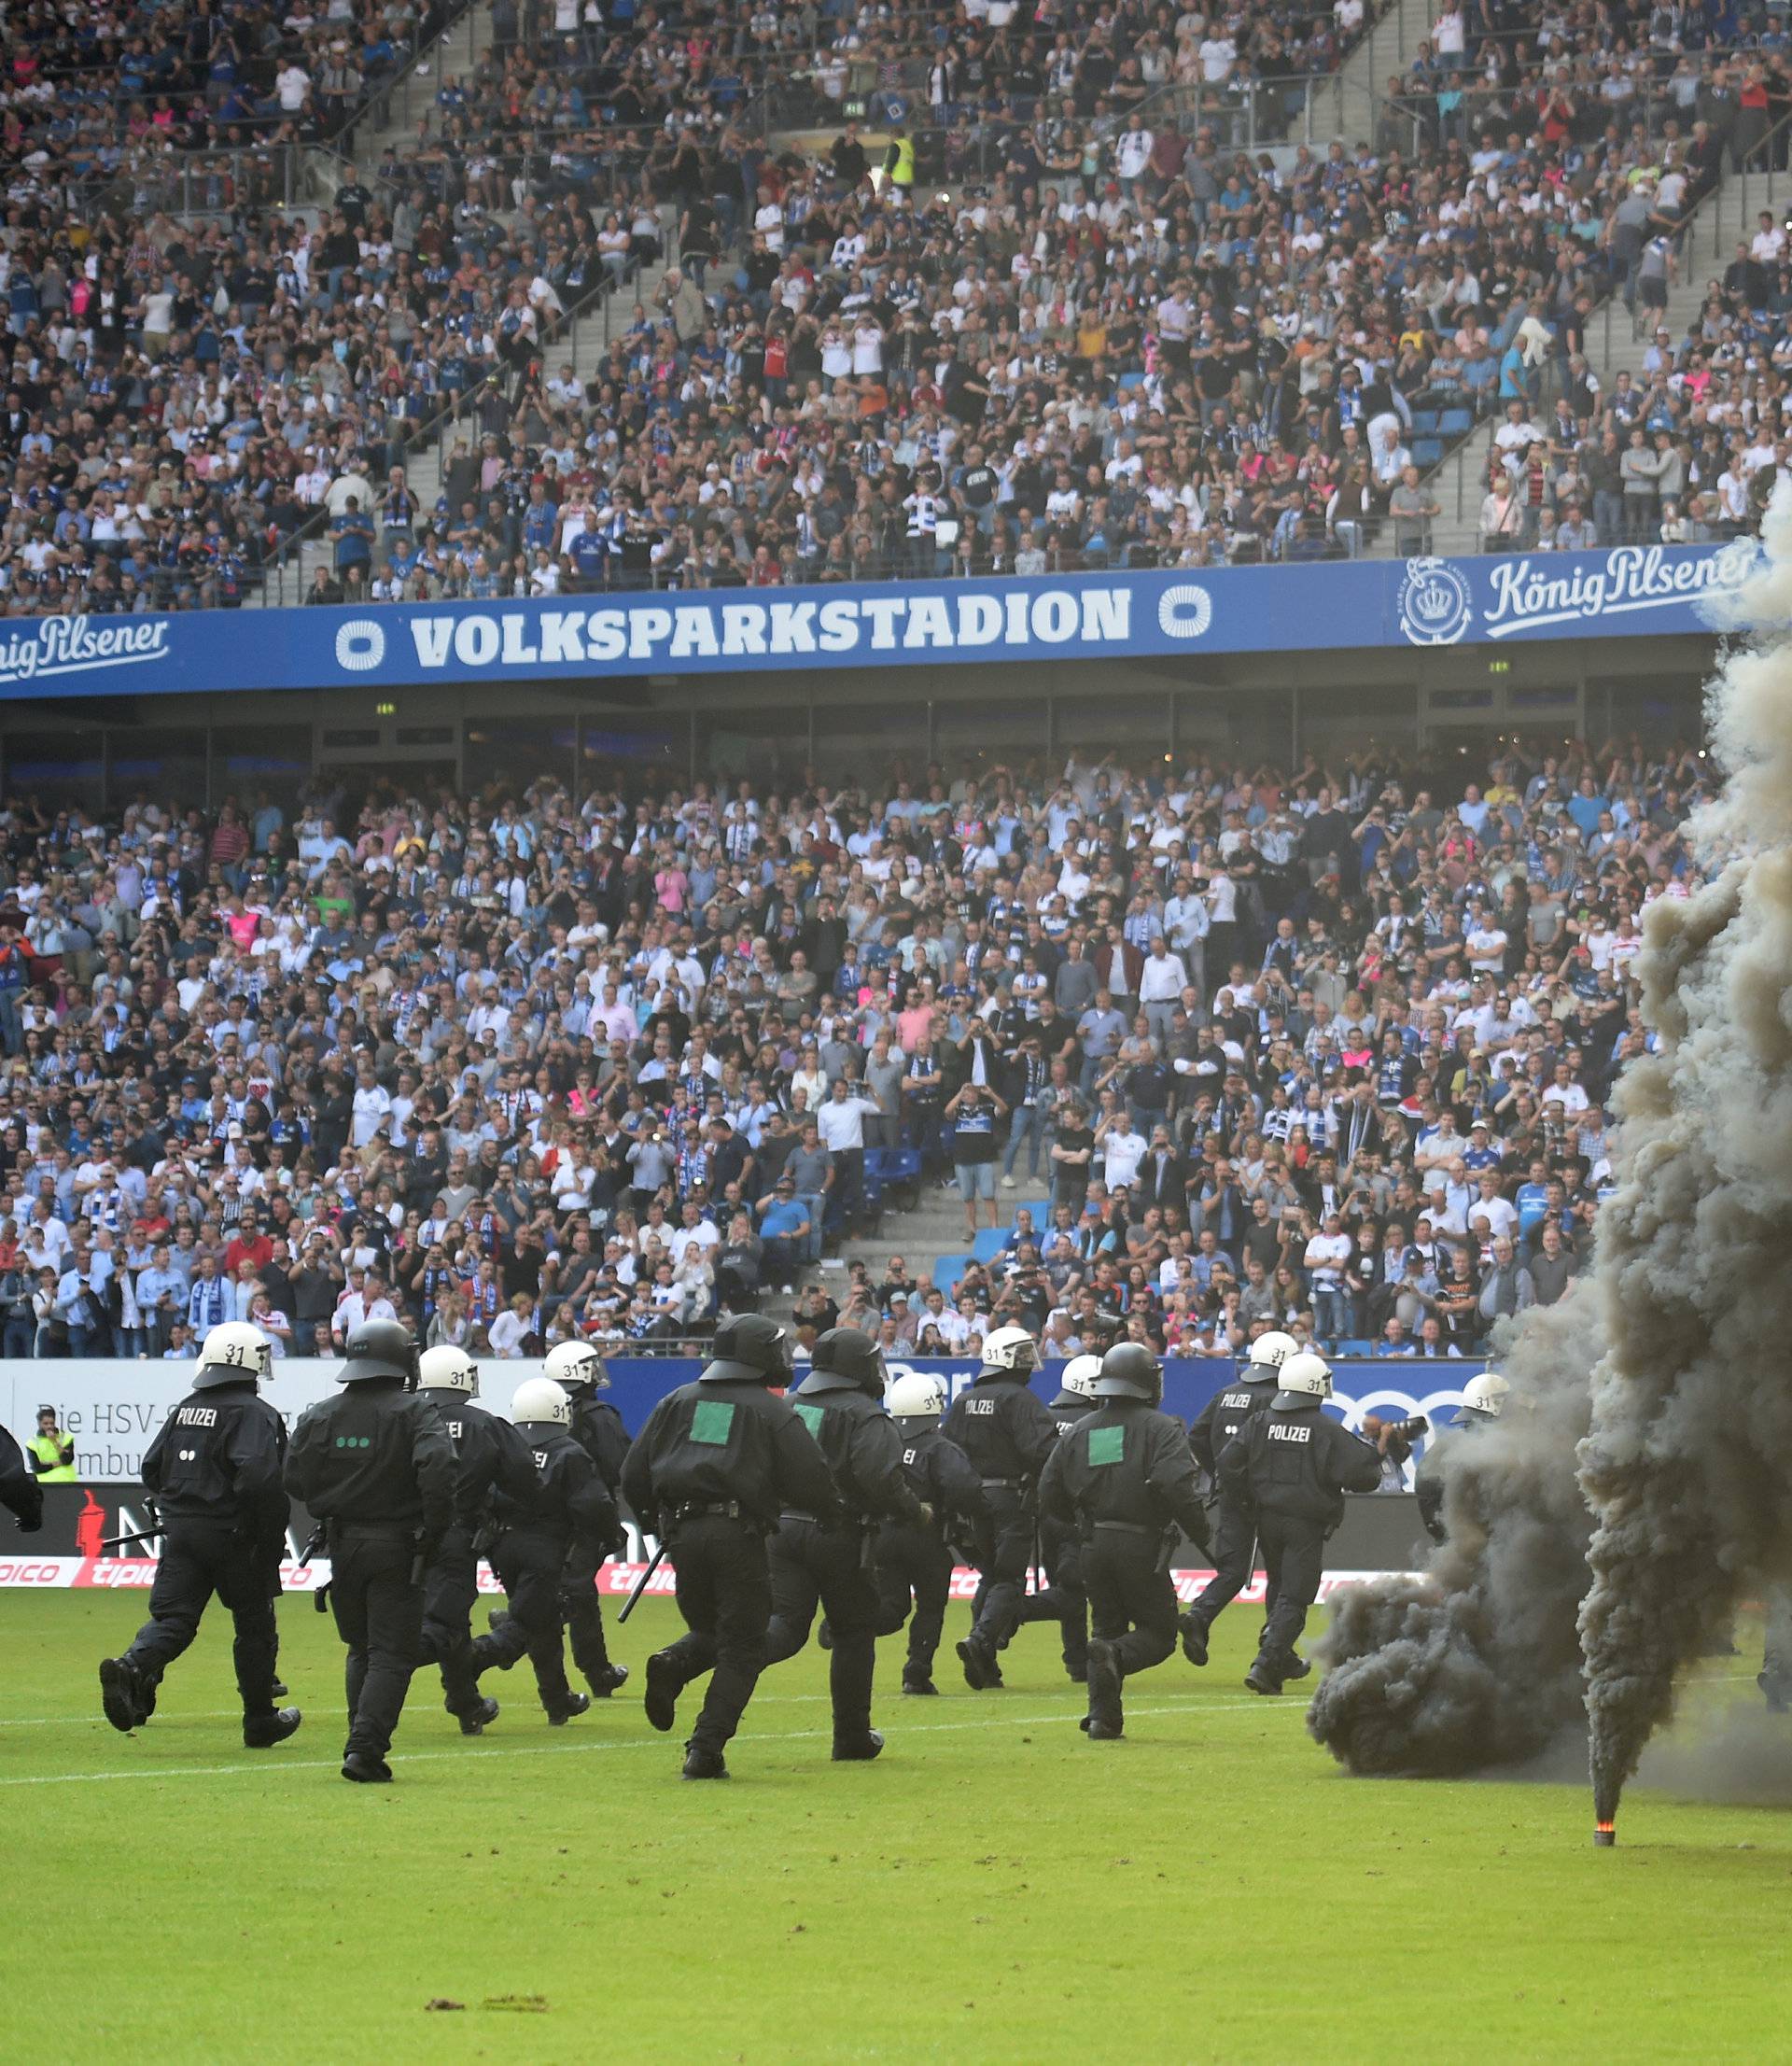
column 1111, row 337
column 1326, row 1048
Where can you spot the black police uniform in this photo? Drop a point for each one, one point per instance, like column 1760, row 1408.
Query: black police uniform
column 215, row 1468
column 1235, row 1537
column 715, row 1466
column 1007, row 1434
column 19, row 1493
column 913, row 1559
column 1294, row 1463
column 822, row 1555
column 551, row 1537
column 378, row 1467
column 1065, row 1599
column 598, row 1428
column 490, row 1457
column 1124, row 1479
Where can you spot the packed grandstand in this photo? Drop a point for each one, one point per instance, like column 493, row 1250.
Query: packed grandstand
column 975, row 290
column 1202, row 1051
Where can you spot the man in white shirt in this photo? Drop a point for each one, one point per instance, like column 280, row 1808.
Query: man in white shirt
column 1161, row 984
column 1324, row 1259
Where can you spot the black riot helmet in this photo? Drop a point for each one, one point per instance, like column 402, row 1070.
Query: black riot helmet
column 847, row 1359
column 379, row 1349
column 749, row 1349
column 1130, row 1371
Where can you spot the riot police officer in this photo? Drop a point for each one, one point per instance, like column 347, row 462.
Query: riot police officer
column 216, row 1469
column 914, row 1561
column 551, row 1537
column 1294, row 1465
column 19, row 1493
column 1007, row 1434
column 1483, row 1402
column 377, row 1465
column 490, row 1457
column 826, row 1556
column 597, row 1427
column 1125, row 1480
column 1235, row 1538
column 1065, row 1600
column 715, row 1466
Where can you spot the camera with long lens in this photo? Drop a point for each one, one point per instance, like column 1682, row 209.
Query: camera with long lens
column 1396, row 1438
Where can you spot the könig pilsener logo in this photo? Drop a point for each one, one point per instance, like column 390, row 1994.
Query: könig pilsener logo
column 1435, row 603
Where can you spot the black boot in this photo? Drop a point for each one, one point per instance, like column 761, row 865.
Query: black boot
column 1194, row 1638
column 859, row 1748
column 606, row 1680
column 981, row 1670
column 121, row 1694
column 365, row 1771
column 280, row 1689
column 919, row 1681
column 1297, row 1666
column 561, row 1712
column 664, row 1687
column 474, row 1721
column 701, row 1763
column 1106, row 1721
column 1262, row 1678
column 824, row 1635
column 261, row 1732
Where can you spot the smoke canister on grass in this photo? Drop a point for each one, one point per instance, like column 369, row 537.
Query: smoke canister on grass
column 1604, row 1835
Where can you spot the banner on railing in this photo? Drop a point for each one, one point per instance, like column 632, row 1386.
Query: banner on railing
column 112, row 1410
column 1380, row 1532
column 1629, row 591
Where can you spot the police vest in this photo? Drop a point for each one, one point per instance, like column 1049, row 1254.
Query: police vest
column 51, row 1469
column 902, row 171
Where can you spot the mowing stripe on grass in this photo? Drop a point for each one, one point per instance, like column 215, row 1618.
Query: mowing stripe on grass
column 271, row 1765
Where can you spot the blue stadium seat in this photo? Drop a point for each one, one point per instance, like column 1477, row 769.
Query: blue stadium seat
column 1424, row 421
column 946, row 1272
column 988, row 1244
column 1427, row 451
column 1354, row 1348
column 1455, row 423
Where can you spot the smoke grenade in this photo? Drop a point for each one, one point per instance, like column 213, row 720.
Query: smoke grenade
column 1686, row 1464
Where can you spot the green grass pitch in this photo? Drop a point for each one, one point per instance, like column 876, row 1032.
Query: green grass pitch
column 995, row 1888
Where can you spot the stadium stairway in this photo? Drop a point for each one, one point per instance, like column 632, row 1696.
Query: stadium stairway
column 1386, row 51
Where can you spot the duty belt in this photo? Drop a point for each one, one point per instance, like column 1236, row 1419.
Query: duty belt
column 840, row 1521
column 721, row 1510
column 1126, row 1528
column 1005, row 1484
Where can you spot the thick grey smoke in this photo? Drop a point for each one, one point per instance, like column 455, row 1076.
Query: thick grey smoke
column 1476, row 1663
column 1687, row 1465
column 1669, row 1369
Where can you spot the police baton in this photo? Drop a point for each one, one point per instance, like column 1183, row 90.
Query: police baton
column 640, row 1585
column 146, row 1534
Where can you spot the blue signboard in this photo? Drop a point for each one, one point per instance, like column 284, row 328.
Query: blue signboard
column 1629, row 590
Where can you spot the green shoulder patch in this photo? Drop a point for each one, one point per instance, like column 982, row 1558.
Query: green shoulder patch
column 809, row 1416
column 1107, row 1445
column 712, row 1421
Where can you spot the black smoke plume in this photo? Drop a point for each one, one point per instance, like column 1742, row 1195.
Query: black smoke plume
column 1687, row 1465
column 1615, row 1520
column 1476, row 1663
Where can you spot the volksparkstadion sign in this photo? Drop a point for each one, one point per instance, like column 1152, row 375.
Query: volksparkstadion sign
column 1333, row 605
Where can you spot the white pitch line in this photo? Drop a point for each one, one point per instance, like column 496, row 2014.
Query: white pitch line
column 271, row 1765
